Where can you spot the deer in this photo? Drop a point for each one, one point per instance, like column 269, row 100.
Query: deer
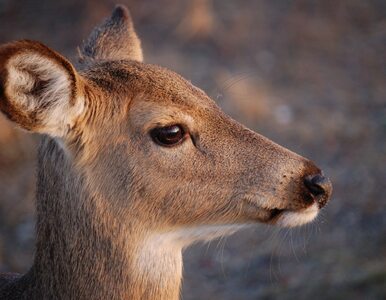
column 135, row 164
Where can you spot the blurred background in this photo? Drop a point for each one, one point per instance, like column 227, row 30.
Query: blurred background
column 308, row 74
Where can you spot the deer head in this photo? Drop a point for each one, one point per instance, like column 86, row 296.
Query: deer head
column 155, row 151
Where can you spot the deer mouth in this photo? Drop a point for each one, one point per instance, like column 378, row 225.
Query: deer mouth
column 292, row 218
column 275, row 213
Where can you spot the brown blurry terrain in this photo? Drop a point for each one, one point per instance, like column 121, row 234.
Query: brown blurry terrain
column 308, row 74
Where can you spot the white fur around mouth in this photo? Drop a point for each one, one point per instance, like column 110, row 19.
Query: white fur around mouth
column 290, row 218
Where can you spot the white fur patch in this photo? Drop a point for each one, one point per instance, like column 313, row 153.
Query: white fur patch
column 297, row 218
column 186, row 236
column 161, row 252
column 27, row 69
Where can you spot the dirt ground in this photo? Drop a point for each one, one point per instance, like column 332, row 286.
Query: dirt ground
column 308, row 74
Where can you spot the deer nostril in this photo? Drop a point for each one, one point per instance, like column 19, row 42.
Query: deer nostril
column 318, row 185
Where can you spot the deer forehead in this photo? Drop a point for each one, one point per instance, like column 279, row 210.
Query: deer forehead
column 125, row 82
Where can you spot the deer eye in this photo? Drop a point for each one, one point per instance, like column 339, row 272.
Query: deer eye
column 168, row 136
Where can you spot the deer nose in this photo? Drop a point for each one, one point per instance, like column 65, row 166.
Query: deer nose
column 320, row 187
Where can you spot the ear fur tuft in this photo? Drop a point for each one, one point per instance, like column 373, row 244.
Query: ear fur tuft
column 38, row 87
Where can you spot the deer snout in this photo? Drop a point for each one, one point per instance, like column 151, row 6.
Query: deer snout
column 320, row 188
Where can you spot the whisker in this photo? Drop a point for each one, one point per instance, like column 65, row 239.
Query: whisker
column 236, row 78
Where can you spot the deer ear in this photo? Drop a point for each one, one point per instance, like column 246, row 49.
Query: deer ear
column 114, row 39
column 38, row 88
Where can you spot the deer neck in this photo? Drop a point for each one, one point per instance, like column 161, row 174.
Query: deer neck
column 84, row 252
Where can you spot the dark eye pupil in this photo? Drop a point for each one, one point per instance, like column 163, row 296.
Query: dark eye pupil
column 167, row 136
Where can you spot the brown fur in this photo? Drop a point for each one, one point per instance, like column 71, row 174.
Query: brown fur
column 114, row 209
column 30, row 119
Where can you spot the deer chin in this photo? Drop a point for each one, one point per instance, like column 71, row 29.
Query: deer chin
column 293, row 218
